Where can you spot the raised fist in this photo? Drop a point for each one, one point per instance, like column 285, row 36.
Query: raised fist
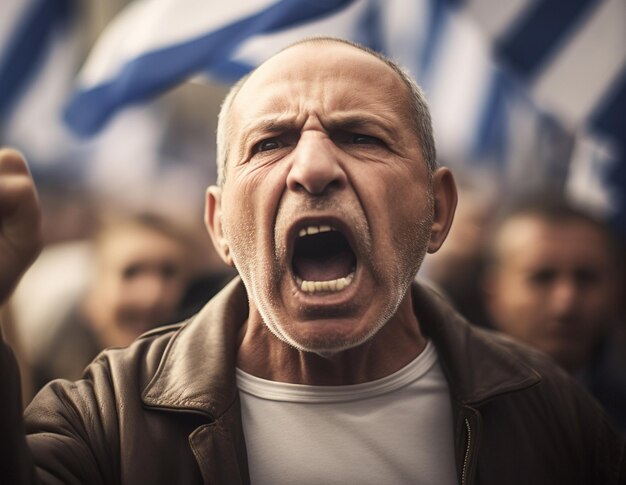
column 20, row 220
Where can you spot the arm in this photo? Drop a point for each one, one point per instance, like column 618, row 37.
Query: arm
column 20, row 221
column 62, row 440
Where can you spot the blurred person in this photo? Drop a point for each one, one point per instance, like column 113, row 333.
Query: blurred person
column 142, row 269
column 141, row 272
column 552, row 281
column 324, row 361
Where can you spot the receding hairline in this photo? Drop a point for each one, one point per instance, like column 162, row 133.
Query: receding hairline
column 413, row 93
column 553, row 214
column 400, row 74
column 147, row 222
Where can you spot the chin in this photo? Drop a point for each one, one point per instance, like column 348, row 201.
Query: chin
column 329, row 342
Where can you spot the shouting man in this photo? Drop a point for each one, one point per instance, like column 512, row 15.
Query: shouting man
column 324, row 362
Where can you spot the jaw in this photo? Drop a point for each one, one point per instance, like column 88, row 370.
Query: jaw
column 330, row 352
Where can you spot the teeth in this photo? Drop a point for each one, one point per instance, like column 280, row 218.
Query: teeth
column 314, row 230
column 320, row 286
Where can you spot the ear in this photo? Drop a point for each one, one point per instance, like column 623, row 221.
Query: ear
column 213, row 222
column 445, row 198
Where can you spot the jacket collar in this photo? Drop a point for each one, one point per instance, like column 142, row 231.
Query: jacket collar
column 197, row 369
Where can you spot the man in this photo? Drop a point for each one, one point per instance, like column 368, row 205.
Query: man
column 552, row 281
column 142, row 267
column 328, row 366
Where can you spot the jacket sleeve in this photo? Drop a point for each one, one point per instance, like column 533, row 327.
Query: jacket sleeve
column 62, row 438
column 16, row 465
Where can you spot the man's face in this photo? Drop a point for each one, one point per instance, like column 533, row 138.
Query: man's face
column 140, row 282
column 326, row 208
column 553, row 287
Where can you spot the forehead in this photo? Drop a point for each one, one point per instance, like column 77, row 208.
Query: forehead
column 324, row 77
column 135, row 242
column 531, row 237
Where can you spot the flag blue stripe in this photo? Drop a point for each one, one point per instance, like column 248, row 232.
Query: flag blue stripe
column 145, row 75
column 437, row 22
column 27, row 47
column 369, row 30
column 610, row 116
column 617, row 181
column 490, row 141
column 227, row 70
column 530, row 43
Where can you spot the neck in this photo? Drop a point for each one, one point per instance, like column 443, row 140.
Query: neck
column 264, row 355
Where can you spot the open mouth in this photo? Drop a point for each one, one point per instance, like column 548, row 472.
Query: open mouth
column 323, row 260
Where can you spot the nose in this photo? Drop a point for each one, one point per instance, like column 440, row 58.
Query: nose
column 149, row 290
column 316, row 167
column 565, row 296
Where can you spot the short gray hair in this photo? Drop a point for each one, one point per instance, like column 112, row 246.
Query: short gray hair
column 419, row 112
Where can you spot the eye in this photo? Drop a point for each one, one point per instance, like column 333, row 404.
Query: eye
column 586, row 277
column 131, row 271
column 360, row 139
column 267, row 145
column 543, row 277
column 168, row 271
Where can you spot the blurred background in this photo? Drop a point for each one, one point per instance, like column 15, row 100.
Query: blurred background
column 115, row 106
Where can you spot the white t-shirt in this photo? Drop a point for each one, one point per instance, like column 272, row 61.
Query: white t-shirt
column 393, row 430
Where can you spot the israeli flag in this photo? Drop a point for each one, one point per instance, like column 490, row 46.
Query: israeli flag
column 534, row 90
column 28, row 31
column 570, row 55
column 155, row 44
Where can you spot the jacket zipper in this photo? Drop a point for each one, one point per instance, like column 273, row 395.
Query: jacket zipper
column 467, row 452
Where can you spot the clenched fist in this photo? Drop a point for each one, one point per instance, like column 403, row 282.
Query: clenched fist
column 20, row 221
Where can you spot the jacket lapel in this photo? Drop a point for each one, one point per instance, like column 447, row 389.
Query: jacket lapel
column 477, row 370
column 197, row 375
column 220, row 449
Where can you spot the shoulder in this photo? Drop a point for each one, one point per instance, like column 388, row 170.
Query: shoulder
column 493, row 371
column 111, row 377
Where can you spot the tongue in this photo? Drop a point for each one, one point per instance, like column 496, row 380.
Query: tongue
column 324, row 267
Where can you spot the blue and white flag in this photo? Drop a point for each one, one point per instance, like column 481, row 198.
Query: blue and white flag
column 155, row 44
column 533, row 89
column 28, row 29
column 41, row 48
column 571, row 57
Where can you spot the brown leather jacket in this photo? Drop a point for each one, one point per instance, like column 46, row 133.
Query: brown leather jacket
column 166, row 410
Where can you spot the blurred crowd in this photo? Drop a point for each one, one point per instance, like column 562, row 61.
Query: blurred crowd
column 106, row 276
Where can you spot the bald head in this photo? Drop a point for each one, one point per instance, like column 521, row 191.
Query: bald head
column 314, row 52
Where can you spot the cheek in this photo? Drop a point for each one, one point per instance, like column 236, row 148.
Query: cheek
column 600, row 301
column 520, row 300
column 251, row 199
column 402, row 208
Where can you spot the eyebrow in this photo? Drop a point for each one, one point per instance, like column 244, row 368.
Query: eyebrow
column 339, row 121
column 357, row 122
column 265, row 126
column 270, row 125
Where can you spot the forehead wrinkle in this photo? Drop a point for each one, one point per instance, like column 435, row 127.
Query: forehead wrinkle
column 271, row 123
column 331, row 119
